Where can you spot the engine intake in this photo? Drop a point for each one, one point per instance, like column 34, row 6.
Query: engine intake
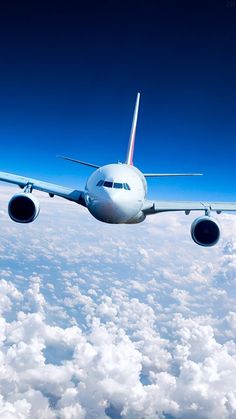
column 205, row 231
column 23, row 208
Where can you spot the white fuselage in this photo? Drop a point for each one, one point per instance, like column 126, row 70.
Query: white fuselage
column 115, row 194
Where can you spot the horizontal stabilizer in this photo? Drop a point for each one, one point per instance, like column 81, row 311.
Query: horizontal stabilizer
column 80, row 162
column 171, row 174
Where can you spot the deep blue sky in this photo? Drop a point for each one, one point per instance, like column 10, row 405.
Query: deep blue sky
column 69, row 74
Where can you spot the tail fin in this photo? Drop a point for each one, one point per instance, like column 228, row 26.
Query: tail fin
column 130, row 151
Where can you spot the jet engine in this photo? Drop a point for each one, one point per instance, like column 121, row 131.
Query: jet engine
column 205, row 231
column 23, row 208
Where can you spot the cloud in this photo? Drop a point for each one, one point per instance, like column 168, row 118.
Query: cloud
column 96, row 322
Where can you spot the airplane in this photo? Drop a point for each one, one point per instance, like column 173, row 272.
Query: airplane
column 117, row 193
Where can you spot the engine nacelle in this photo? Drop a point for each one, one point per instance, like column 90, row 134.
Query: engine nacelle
column 205, row 231
column 23, row 208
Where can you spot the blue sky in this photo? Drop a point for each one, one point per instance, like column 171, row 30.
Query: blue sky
column 69, row 76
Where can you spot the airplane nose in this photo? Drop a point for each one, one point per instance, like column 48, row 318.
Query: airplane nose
column 110, row 208
column 115, row 204
column 113, row 199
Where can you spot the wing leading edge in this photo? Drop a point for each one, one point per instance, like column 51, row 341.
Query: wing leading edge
column 155, row 207
column 50, row 188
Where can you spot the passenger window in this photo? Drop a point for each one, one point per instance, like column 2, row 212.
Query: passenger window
column 108, row 184
column 100, row 183
column 118, row 185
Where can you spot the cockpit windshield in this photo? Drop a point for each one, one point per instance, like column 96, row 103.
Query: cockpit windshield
column 126, row 186
column 108, row 184
column 116, row 185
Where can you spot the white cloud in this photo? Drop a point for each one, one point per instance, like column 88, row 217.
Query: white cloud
column 93, row 323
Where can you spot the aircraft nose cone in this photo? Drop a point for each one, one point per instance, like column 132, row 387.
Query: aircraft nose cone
column 111, row 208
column 116, row 209
column 114, row 199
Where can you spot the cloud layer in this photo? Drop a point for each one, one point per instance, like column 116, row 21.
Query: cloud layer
column 105, row 321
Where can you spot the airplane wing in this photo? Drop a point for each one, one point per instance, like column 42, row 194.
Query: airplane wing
column 50, row 188
column 154, row 207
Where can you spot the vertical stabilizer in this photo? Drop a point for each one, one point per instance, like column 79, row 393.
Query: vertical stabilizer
column 130, row 151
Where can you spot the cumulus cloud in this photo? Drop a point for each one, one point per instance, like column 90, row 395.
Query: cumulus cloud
column 95, row 326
